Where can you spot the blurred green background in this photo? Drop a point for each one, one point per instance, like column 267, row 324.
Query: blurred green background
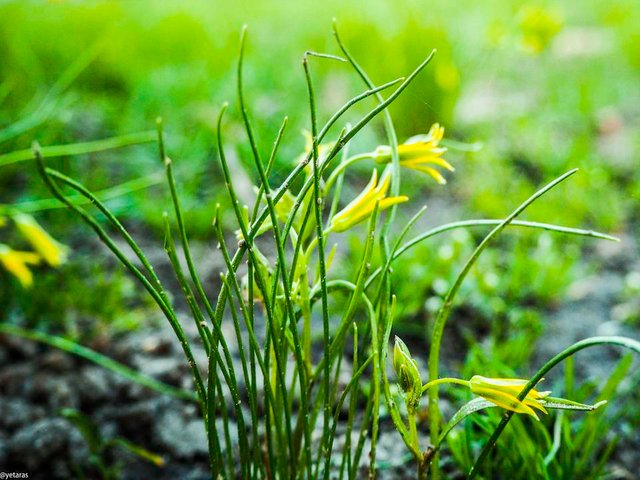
column 544, row 86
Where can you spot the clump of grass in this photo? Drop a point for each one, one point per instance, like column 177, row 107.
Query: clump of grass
column 285, row 391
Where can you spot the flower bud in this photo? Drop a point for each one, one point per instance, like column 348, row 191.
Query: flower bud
column 408, row 374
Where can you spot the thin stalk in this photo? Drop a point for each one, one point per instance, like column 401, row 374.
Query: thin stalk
column 318, row 203
column 42, row 110
column 198, row 318
column 337, row 192
column 440, row 381
column 115, row 223
column 375, row 351
column 110, row 193
column 231, row 269
column 353, row 399
column 99, row 359
column 231, row 464
column 340, row 169
column 270, row 163
column 235, row 287
column 216, row 462
column 281, row 260
column 445, row 310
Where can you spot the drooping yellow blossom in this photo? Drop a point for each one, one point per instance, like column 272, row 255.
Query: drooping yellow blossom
column 504, row 393
column 420, row 153
column 53, row 252
column 16, row 263
column 362, row 206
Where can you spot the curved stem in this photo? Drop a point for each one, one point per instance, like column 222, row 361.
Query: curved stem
column 489, row 222
column 445, row 310
column 625, row 342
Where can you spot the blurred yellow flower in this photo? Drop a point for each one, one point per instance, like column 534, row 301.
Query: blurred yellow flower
column 420, row 153
column 53, row 252
column 504, row 393
column 538, row 27
column 362, row 206
column 16, row 263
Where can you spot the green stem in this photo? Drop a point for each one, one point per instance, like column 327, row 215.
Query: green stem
column 103, row 361
column 318, row 203
column 116, row 191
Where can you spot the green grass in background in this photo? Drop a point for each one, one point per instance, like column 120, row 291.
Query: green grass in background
column 544, row 85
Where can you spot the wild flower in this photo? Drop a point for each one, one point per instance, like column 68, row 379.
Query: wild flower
column 16, row 263
column 420, row 153
column 53, row 252
column 504, row 393
column 363, row 205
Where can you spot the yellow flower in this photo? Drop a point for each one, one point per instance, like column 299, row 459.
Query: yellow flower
column 362, row 206
column 420, row 153
column 504, row 393
column 16, row 263
column 53, row 252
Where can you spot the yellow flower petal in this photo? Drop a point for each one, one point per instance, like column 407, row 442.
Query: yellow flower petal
column 432, row 159
column 16, row 263
column 436, row 175
column 418, row 152
column 362, row 206
column 53, row 252
column 502, row 392
column 504, row 400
